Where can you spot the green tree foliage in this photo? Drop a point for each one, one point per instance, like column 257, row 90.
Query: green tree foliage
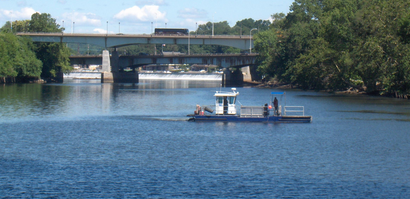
column 15, row 26
column 337, row 44
column 220, row 28
column 269, row 51
column 6, row 28
column 21, row 26
column 244, row 26
column 55, row 56
column 43, row 23
column 277, row 20
column 25, row 60
column 18, row 58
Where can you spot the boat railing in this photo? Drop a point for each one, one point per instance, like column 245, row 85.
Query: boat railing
column 252, row 111
column 294, row 110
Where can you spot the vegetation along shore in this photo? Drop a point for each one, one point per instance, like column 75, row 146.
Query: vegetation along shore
column 350, row 46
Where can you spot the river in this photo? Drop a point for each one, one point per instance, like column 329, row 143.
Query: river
column 84, row 139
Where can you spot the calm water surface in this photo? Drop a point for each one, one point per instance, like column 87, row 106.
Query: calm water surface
column 84, row 139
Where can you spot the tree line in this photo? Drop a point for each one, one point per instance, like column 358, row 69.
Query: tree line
column 319, row 45
column 339, row 44
column 24, row 60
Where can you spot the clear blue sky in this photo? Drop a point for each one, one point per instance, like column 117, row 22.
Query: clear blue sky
column 136, row 16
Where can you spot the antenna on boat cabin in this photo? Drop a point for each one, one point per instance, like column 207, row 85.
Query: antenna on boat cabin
column 220, row 87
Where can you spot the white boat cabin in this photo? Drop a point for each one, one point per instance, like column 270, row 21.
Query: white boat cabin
column 225, row 102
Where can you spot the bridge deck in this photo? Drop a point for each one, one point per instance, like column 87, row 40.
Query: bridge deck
column 116, row 40
column 243, row 37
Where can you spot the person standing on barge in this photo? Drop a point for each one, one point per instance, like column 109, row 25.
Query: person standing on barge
column 275, row 104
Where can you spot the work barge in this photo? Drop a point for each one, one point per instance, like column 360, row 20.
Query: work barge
column 226, row 110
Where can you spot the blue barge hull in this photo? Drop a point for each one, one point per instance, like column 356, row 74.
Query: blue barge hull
column 236, row 118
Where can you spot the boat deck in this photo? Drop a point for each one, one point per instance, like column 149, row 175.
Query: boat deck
column 236, row 118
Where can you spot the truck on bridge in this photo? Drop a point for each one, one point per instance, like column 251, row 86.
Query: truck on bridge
column 171, row 31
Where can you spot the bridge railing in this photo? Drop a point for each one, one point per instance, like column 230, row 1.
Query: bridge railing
column 132, row 35
column 178, row 54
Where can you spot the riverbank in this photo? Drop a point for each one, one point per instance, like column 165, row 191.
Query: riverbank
column 350, row 91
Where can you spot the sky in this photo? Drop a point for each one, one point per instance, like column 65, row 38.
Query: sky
column 140, row 16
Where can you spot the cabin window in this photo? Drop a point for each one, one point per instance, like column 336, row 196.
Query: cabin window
column 219, row 100
column 232, row 100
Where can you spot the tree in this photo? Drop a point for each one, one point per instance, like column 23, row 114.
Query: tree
column 244, row 26
column 55, row 56
column 21, row 26
column 380, row 36
column 43, row 23
column 7, row 57
column 18, row 58
column 26, row 63
column 338, row 44
column 277, row 20
column 326, row 62
column 219, row 28
column 267, row 45
column 296, row 32
column 6, row 28
column 18, row 26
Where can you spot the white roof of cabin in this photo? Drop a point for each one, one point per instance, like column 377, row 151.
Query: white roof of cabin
column 226, row 94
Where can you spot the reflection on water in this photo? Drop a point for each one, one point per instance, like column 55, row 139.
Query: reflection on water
column 84, row 139
column 90, row 97
column 173, row 84
column 378, row 112
column 106, row 97
column 381, row 119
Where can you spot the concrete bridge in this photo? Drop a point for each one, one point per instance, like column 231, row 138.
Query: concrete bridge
column 115, row 62
column 117, row 40
column 222, row 60
column 111, row 66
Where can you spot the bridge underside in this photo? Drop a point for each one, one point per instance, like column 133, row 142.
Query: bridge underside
column 225, row 61
column 120, row 62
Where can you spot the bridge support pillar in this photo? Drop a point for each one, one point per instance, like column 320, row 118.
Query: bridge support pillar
column 107, row 77
column 114, row 74
column 232, row 78
column 251, row 74
column 120, row 77
column 247, row 77
column 106, row 63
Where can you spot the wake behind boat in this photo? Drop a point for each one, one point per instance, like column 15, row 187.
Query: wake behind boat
column 225, row 110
